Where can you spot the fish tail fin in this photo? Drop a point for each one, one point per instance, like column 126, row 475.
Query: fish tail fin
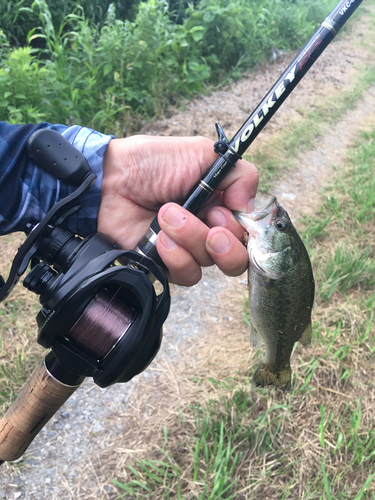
column 268, row 374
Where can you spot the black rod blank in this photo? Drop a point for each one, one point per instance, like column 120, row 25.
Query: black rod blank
column 271, row 102
column 267, row 107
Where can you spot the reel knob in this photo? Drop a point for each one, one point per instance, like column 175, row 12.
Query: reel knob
column 38, row 278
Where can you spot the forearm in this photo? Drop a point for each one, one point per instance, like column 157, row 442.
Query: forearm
column 27, row 192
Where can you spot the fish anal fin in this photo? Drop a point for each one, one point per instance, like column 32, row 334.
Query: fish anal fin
column 255, row 338
column 306, row 336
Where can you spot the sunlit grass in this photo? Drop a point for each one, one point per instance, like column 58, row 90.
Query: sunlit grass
column 347, row 215
column 347, row 267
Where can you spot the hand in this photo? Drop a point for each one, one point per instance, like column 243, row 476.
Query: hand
column 142, row 174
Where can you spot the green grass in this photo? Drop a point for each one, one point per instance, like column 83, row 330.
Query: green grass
column 19, row 352
column 318, row 442
column 347, row 214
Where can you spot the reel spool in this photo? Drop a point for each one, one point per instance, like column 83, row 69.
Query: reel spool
column 103, row 323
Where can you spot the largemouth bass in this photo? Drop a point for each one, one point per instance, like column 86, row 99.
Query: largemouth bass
column 281, row 291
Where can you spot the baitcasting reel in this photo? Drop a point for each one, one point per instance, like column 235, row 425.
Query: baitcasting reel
column 100, row 319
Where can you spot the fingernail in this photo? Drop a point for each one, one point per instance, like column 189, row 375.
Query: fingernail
column 215, row 217
column 250, row 206
column 219, row 242
column 174, row 217
column 166, row 241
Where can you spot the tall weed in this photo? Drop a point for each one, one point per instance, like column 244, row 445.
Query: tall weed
column 4, row 46
column 16, row 22
column 107, row 75
column 148, row 59
column 22, row 88
column 17, row 17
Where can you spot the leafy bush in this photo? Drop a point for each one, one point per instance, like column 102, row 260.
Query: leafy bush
column 235, row 33
column 95, row 78
column 294, row 21
column 106, row 76
column 21, row 88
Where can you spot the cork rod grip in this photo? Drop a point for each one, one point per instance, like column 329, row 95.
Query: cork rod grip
column 38, row 401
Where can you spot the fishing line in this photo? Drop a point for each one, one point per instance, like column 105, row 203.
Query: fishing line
column 103, row 323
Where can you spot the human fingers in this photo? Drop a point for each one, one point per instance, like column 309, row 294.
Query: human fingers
column 228, row 253
column 186, row 230
column 225, row 249
column 240, row 187
column 182, row 269
column 222, row 217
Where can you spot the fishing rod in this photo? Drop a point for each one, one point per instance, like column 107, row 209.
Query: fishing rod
column 99, row 319
column 230, row 151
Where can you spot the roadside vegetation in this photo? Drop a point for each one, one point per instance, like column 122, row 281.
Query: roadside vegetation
column 318, row 442
column 111, row 68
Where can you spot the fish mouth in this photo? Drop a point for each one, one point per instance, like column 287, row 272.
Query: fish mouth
column 261, row 213
column 255, row 221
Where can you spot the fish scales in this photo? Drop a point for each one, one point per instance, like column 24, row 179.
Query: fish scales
column 281, row 291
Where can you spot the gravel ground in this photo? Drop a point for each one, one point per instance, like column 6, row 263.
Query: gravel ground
column 66, row 460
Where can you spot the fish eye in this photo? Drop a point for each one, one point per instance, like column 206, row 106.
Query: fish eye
column 281, row 225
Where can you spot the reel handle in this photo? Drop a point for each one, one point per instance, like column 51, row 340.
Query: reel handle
column 37, row 402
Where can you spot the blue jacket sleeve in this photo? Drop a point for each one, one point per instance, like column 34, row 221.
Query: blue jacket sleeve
column 27, row 192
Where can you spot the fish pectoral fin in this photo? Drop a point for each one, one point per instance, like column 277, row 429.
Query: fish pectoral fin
column 255, row 338
column 306, row 336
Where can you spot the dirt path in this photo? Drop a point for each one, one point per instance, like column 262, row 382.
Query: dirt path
column 78, row 452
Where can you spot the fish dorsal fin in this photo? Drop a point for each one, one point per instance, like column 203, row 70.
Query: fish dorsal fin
column 255, row 338
column 306, row 336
